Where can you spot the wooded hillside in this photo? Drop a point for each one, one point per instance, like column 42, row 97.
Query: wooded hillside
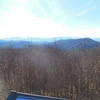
column 49, row 71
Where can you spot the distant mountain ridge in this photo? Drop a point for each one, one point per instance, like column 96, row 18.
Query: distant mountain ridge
column 64, row 44
column 7, row 43
column 82, row 43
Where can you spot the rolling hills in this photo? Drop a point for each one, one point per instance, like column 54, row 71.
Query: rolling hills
column 64, row 44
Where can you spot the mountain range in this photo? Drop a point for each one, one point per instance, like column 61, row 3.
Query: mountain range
column 82, row 43
column 61, row 43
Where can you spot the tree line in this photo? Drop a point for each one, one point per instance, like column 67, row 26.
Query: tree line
column 49, row 71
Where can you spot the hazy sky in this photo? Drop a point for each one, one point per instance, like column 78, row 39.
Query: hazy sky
column 49, row 18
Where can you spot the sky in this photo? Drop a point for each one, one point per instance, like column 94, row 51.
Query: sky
column 49, row 18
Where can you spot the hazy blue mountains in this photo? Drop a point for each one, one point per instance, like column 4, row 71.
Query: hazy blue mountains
column 64, row 44
column 83, row 43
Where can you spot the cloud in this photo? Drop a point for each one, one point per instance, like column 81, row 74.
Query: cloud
column 24, row 24
column 87, row 8
column 18, row 21
column 89, row 3
column 85, row 11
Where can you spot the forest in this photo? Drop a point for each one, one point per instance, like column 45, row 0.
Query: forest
column 49, row 71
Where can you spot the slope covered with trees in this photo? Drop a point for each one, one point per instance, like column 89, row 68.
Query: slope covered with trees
column 49, row 71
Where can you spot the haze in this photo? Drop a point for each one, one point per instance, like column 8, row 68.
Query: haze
column 49, row 18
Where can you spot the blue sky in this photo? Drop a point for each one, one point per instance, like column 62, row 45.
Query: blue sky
column 49, row 18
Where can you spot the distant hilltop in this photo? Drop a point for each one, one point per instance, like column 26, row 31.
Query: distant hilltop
column 61, row 43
